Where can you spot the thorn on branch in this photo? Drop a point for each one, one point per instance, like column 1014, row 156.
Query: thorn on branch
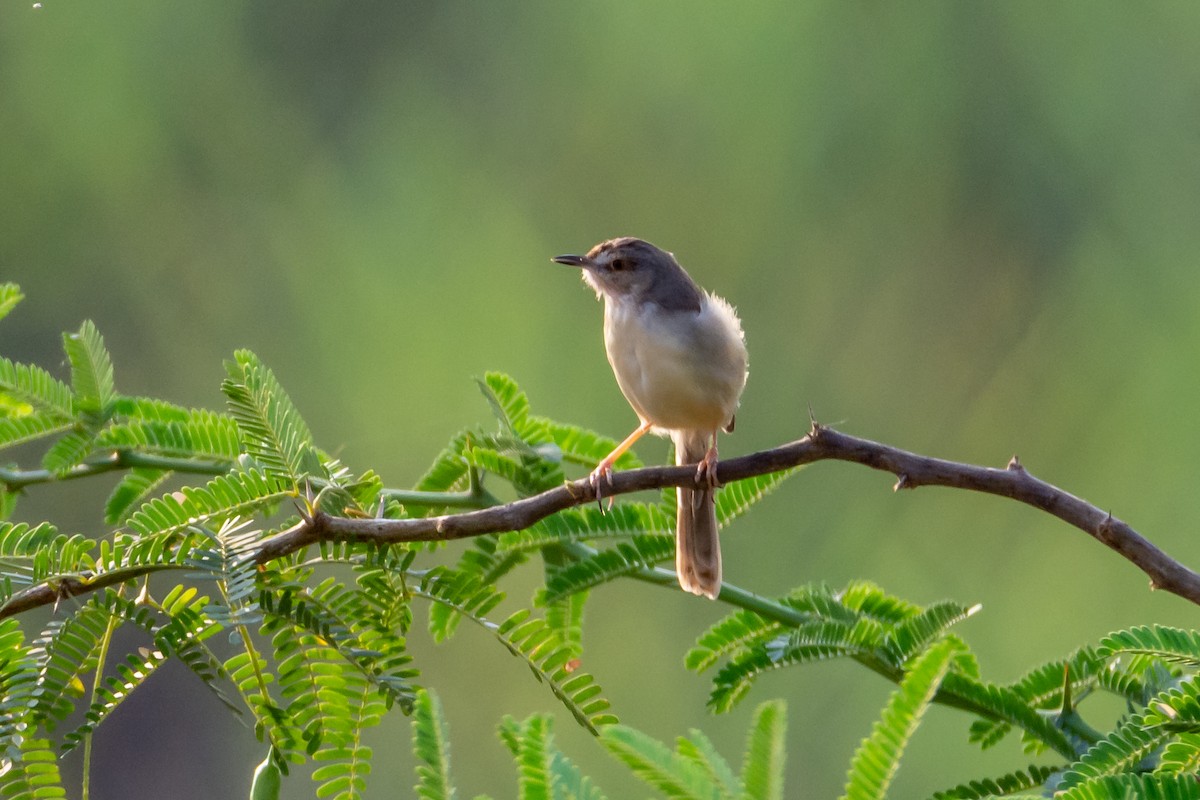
column 1014, row 464
column 902, row 482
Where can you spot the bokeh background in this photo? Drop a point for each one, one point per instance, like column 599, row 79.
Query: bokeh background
column 967, row 229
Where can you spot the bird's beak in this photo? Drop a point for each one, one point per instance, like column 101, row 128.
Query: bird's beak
column 572, row 261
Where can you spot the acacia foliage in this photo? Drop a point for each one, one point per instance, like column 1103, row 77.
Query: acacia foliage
column 316, row 643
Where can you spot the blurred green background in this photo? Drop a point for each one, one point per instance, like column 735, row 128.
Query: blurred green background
column 966, row 229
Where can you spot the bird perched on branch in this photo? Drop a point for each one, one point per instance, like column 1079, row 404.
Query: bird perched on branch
column 680, row 359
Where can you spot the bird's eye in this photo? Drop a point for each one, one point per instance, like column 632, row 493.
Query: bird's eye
column 619, row 264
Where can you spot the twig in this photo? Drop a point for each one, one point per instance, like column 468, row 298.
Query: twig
column 910, row 469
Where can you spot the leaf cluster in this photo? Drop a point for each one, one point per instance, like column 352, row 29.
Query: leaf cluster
column 314, row 645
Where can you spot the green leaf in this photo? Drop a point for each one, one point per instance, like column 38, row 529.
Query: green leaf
column 19, row 430
column 1005, row 705
column 1182, row 755
column 910, row 636
column 677, row 777
column 91, row 371
column 1034, row 777
column 133, row 488
column 818, row 640
column 150, row 409
column 431, row 746
column 272, row 431
column 607, row 565
column 65, row 650
column 10, row 295
column 535, row 756
column 32, row 771
column 543, row 771
column 222, row 498
column 878, row 757
column 698, row 748
column 1156, row 786
column 202, row 435
column 37, row 388
column 564, row 616
column 762, row 769
column 509, row 404
column 731, row 636
column 622, row 521
column 32, row 554
column 526, row 637
column 133, row 672
column 1170, row 644
column 1122, row 750
column 71, row 449
column 587, row 448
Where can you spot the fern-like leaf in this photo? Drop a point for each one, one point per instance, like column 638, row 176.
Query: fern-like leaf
column 730, row 637
column 762, row 769
column 622, row 521
column 65, row 650
column 699, row 748
column 32, row 772
column 1156, row 786
column 36, row 388
column 607, row 565
column 528, row 638
column 10, row 295
column 252, row 676
column 132, row 673
column 1003, row 704
column 1170, row 644
column 674, row 775
column 878, row 757
column 1032, row 778
column 271, row 428
column 1122, row 750
column 30, row 427
column 224, row 497
column 910, row 636
column 543, row 770
column 150, row 409
column 91, row 371
column 18, row 689
column 587, row 448
column 431, row 746
column 815, row 641
column 33, row 554
column 203, row 435
column 134, row 487
column 1182, row 755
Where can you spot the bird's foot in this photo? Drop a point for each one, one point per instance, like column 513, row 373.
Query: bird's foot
column 706, row 469
column 601, row 475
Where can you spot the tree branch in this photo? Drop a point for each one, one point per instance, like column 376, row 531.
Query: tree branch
column 820, row 444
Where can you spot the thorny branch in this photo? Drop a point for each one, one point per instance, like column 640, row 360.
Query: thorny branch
column 821, row 443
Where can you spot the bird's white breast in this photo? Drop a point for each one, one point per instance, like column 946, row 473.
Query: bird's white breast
column 680, row 370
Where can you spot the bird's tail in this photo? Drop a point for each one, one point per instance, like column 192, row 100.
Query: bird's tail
column 697, row 548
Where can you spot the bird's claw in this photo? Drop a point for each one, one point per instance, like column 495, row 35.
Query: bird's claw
column 706, row 469
column 602, row 473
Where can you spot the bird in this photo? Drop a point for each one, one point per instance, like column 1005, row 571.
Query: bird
column 679, row 357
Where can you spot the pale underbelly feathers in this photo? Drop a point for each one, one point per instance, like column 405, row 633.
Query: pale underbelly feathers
column 678, row 369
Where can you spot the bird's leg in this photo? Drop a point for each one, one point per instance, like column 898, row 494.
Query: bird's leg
column 604, row 469
column 706, row 468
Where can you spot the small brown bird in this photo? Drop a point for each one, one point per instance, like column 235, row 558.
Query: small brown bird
column 679, row 356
